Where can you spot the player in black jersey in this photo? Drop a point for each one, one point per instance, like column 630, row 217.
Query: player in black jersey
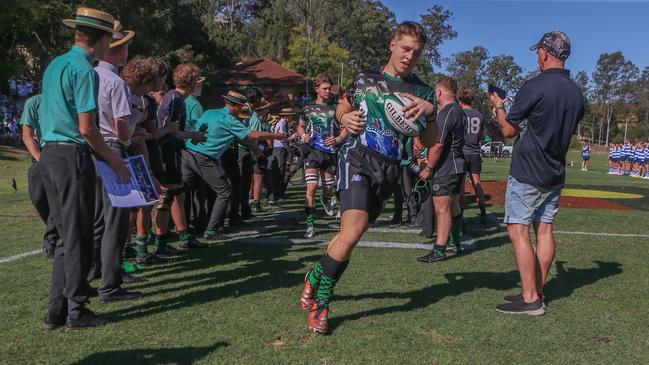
column 473, row 133
column 321, row 132
column 375, row 114
column 445, row 166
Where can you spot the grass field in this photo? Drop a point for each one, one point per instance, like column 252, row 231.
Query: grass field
column 236, row 302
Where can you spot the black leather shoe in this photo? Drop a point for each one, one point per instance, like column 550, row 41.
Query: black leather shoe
column 53, row 321
column 120, row 294
column 92, row 292
column 86, row 319
column 130, row 278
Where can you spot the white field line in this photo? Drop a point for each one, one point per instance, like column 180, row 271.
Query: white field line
column 19, row 256
column 492, row 219
column 467, row 242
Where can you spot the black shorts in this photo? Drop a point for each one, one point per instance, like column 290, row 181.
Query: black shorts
column 170, row 151
column 365, row 179
column 446, row 185
column 155, row 159
column 322, row 161
column 473, row 163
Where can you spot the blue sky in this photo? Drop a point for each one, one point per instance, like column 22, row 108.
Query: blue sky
column 510, row 27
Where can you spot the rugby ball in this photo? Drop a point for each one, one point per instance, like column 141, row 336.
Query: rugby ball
column 393, row 106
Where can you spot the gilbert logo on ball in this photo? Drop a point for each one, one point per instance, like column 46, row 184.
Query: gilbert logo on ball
column 393, row 105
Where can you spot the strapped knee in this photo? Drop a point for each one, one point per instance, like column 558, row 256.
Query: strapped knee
column 311, row 177
column 329, row 183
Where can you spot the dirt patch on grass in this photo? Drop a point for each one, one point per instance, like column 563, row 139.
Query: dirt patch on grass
column 495, row 191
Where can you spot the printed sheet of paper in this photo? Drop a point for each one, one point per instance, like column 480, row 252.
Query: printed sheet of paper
column 139, row 192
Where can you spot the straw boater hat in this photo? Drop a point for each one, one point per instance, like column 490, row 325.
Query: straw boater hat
column 235, row 97
column 92, row 18
column 263, row 104
column 287, row 112
column 121, row 36
column 245, row 113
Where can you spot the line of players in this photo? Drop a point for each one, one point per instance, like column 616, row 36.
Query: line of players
column 629, row 159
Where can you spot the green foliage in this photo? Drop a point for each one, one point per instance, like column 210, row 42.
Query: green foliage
column 575, row 144
column 316, row 57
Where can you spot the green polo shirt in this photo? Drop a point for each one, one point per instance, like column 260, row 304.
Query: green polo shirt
column 222, row 129
column 30, row 115
column 194, row 111
column 254, row 123
column 70, row 87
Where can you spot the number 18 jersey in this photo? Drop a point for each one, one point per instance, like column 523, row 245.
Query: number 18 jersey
column 474, row 123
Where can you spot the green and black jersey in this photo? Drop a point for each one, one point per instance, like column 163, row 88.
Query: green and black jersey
column 369, row 93
column 319, row 120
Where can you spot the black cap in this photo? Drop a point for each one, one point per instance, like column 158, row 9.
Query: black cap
column 556, row 43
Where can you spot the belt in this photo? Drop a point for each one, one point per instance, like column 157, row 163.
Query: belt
column 65, row 144
column 198, row 154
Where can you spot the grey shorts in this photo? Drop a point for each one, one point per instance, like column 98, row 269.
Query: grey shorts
column 525, row 203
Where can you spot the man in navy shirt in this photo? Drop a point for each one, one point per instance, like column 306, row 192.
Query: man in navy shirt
column 544, row 115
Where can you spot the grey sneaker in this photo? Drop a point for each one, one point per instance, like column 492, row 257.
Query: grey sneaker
column 519, row 298
column 536, row 308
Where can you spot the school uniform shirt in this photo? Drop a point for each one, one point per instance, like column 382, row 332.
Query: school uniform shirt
column 222, row 129
column 280, row 127
column 70, row 87
column 114, row 101
column 30, row 115
column 194, row 111
column 172, row 109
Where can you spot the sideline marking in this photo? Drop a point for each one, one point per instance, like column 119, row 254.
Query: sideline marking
column 19, row 256
column 467, row 242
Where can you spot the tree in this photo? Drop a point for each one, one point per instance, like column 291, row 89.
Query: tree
column 612, row 79
column 469, row 67
column 320, row 56
column 504, row 72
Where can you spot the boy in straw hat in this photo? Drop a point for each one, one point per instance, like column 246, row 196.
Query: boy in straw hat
column 369, row 163
column 69, row 133
column 248, row 150
column 257, row 123
column 203, row 160
column 278, row 160
column 116, row 125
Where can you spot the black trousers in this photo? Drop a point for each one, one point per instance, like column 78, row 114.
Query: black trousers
column 427, row 211
column 69, row 178
column 38, row 197
column 110, row 233
column 230, row 164
column 295, row 167
column 197, row 166
column 245, row 168
column 277, row 167
column 408, row 180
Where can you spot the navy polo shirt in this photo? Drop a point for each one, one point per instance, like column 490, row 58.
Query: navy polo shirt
column 547, row 110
